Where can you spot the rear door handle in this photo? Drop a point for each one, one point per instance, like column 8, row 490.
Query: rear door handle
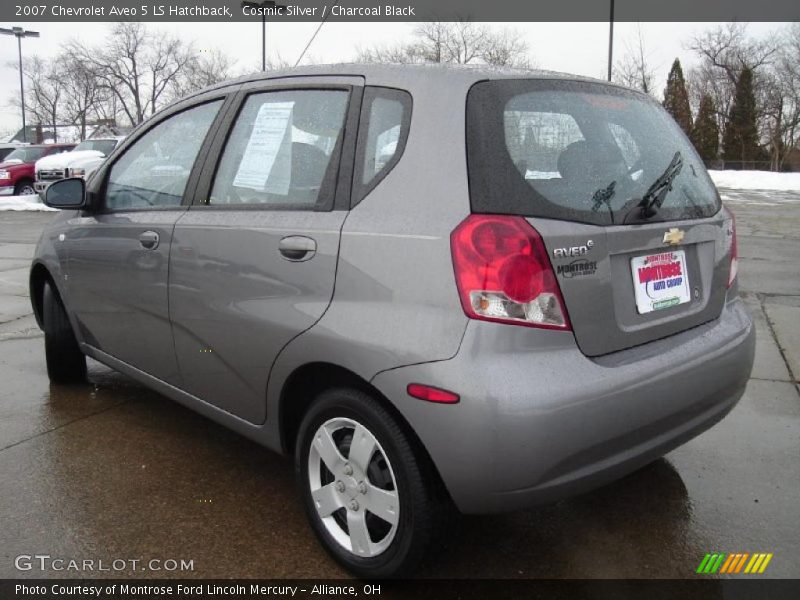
column 297, row 248
column 149, row 240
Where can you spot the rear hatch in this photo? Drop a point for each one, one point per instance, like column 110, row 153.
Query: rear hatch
column 630, row 219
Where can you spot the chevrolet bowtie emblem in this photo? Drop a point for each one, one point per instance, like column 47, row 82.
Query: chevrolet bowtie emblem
column 673, row 236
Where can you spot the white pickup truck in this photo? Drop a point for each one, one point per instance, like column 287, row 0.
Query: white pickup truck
column 81, row 162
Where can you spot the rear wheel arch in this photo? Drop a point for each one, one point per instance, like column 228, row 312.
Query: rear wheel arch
column 304, row 385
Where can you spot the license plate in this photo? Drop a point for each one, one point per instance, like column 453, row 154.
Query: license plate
column 660, row 280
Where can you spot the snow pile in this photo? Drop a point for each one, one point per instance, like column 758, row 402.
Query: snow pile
column 756, row 180
column 23, row 203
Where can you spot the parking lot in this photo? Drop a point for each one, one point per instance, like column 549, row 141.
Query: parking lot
column 110, row 470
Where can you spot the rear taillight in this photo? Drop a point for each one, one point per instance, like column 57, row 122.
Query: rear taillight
column 734, row 251
column 503, row 273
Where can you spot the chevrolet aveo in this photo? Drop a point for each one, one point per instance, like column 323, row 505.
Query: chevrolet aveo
column 441, row 289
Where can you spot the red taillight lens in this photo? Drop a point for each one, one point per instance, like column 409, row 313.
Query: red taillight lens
column 503, row 273
column 734, row 251
column 431, row 394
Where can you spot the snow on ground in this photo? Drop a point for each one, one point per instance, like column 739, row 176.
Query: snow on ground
column 756, row 180
column 23, row 203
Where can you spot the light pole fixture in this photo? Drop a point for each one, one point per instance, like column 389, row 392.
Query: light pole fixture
column 264, row 7
column 20, row 33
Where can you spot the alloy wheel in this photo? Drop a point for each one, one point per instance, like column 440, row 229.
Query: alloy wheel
column 353, row 487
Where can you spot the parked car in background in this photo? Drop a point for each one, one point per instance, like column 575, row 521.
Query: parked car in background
column 81, row 162
column 17, row 170
column 441, row 289
column 7, row 148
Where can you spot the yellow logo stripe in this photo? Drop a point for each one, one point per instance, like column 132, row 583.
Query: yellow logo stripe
column 752, row 562
column 767, row 558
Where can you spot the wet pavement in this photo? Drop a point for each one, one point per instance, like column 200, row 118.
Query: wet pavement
column 110, row 470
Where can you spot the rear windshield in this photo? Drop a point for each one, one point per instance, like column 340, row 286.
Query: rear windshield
column 577, row 151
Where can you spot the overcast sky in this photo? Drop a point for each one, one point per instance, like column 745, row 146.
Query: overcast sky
column 579, row 48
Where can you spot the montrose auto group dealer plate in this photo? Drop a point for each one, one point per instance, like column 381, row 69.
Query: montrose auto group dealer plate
column 660, row 280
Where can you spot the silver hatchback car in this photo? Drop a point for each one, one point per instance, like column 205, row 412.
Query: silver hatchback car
column 442, row 289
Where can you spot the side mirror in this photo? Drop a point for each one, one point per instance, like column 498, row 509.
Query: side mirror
column 66, row 193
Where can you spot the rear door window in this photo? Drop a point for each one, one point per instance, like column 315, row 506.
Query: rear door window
column 577, row 151
column 283, row 151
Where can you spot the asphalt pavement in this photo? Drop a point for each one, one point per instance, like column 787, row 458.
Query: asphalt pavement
column 111, row 471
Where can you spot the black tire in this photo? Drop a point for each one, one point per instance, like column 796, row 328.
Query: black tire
column 426, row 513
column 23, row 187
column 65, row 361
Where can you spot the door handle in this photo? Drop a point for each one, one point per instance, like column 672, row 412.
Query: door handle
column 149, row 240
column 297, row 248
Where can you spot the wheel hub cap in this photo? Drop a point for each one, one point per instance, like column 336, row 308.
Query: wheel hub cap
column 360, row 514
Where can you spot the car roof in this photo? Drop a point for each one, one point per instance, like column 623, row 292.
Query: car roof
column 410, row 75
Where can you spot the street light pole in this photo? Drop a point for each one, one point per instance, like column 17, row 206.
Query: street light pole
column 22, row 89
column 263, row 6
column 610, row 39
column 20, row 33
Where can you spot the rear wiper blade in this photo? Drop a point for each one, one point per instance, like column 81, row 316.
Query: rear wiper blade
column 654, row 197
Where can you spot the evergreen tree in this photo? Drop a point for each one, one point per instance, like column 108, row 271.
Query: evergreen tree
column 705, row 133
column 676, row 98
column 740, row 139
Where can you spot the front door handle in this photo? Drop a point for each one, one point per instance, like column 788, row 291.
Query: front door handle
column 297, row 248
column 149, row 240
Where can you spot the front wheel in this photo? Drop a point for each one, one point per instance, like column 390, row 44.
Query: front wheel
column 65, row 361
column 24, row 188
column 373, row 500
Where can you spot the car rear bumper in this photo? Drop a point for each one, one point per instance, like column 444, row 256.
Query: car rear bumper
column 539, row 421
column 7, row 190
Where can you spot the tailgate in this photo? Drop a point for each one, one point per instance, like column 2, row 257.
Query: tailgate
column 680, row 284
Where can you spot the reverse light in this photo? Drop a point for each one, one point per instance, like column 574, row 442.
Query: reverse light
column 734, row 270
column 431, row 394
column 503, row 273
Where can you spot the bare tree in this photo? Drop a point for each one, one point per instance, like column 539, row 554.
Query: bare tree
column 461, row 42
column 729, row 49
column 724, row 52
column 136, row 66
column 44, row 90
column 401, row 53
column 84, row 96
column 634, row 69
column 202, row 70
column 783, row 101
column 431, row 42
column 508, row 48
